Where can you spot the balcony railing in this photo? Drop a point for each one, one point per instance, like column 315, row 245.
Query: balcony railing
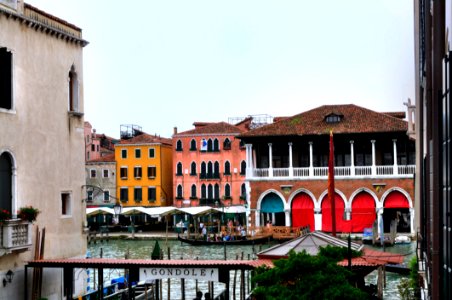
column 340, row 172
column 15, row 235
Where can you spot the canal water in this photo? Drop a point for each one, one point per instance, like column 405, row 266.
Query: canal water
column 139, row 249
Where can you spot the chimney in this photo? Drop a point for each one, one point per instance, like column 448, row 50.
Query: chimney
column 175, row 130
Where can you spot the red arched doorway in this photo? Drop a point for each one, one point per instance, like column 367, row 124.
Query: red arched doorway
column 363, row 212
column 397, row 207
column 327, row 217
column 303, row 211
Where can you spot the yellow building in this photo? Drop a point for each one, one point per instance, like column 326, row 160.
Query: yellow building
column 144, row 170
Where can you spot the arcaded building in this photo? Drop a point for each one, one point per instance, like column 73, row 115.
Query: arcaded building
column 287, row 170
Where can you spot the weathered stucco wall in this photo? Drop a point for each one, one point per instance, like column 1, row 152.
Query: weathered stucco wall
column 45, row 141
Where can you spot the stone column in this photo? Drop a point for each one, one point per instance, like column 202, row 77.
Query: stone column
column 374, row 168
column 352, row 159
column 270, row 160
column 290, row 161
column 396, row 169
column 311, row 166
column 249, row 160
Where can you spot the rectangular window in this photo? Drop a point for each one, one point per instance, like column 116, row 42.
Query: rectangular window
column 6, row 80
column 137, row 153
column 137, row 172
column 137, row 194
column 124, row 153
column 93, row 147
column 151, row 171
column 93, row 173
column 106, row 196
column 105, row 173
column 90, row 196
column 123, row 172
column 124, row 194
column 151, row 152
column 152, row 194
column 66, row 209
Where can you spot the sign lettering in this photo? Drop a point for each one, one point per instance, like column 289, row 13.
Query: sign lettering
column 208, row 274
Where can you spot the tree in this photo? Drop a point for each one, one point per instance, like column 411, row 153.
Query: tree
column 302, row 276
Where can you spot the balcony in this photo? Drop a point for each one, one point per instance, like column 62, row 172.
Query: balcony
column 394, row 171
column 15, row 235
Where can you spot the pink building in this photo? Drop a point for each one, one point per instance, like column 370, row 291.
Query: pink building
column 97, row 145
column 209, row 165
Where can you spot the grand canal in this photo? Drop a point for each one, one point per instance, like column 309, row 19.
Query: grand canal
column 143, row 249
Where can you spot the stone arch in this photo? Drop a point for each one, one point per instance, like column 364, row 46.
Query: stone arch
column 270, row 209
column 363, row 207
column 302, row 203
column 397, row 211
column 340, row 207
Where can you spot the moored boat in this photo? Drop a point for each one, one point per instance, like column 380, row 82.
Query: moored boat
column 242, row 241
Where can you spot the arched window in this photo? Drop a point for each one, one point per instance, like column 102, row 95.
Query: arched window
column 179, row 169
column 179, row 194
column 209, row 170
column 203, row 191
column 209, row 145
column 243, row 192
column 193, row 168
column 193, row 191
column 203, row 170
column 227, row 144
column 209, row 192
column 216, row 191
column 242, row 167
column 179, row 145
column 6, row 182
column 227, row 168
column 193, row 145
column 216, row 170
column 216, row 146
column 227, row 191
column 73, row 91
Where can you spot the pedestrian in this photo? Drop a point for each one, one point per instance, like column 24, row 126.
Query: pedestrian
column 207, row 296
column 198, row 295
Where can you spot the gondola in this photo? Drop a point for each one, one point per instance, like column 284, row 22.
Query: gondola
column 246, row 241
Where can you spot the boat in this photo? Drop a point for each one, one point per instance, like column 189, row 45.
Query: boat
column 402, row 239
column 246, row 241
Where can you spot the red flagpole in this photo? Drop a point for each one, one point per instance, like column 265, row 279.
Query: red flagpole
column 331, row 191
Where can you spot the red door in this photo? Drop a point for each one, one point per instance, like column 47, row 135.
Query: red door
column 327, row 218
column 303, row 211
column 363, row 212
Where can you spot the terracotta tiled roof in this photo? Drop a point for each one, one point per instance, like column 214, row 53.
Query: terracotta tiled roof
column 106, row 158
column 374, row 258
column 123, row 263
column 212, row 128
column 354, row 119
column 145, row 138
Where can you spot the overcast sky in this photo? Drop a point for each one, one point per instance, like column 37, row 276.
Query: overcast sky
column 164, row 64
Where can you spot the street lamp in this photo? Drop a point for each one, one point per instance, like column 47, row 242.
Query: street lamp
column 117, row 208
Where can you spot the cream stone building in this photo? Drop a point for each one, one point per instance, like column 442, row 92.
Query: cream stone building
column 41, row 144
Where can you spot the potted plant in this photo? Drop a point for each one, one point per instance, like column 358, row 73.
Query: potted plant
column 28, row 213
column 4, row 215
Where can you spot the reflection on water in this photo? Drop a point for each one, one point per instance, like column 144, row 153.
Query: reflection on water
column 139, row 249
column 393, row 279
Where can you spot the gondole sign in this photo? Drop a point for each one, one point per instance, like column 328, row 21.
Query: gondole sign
column 208, row 274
